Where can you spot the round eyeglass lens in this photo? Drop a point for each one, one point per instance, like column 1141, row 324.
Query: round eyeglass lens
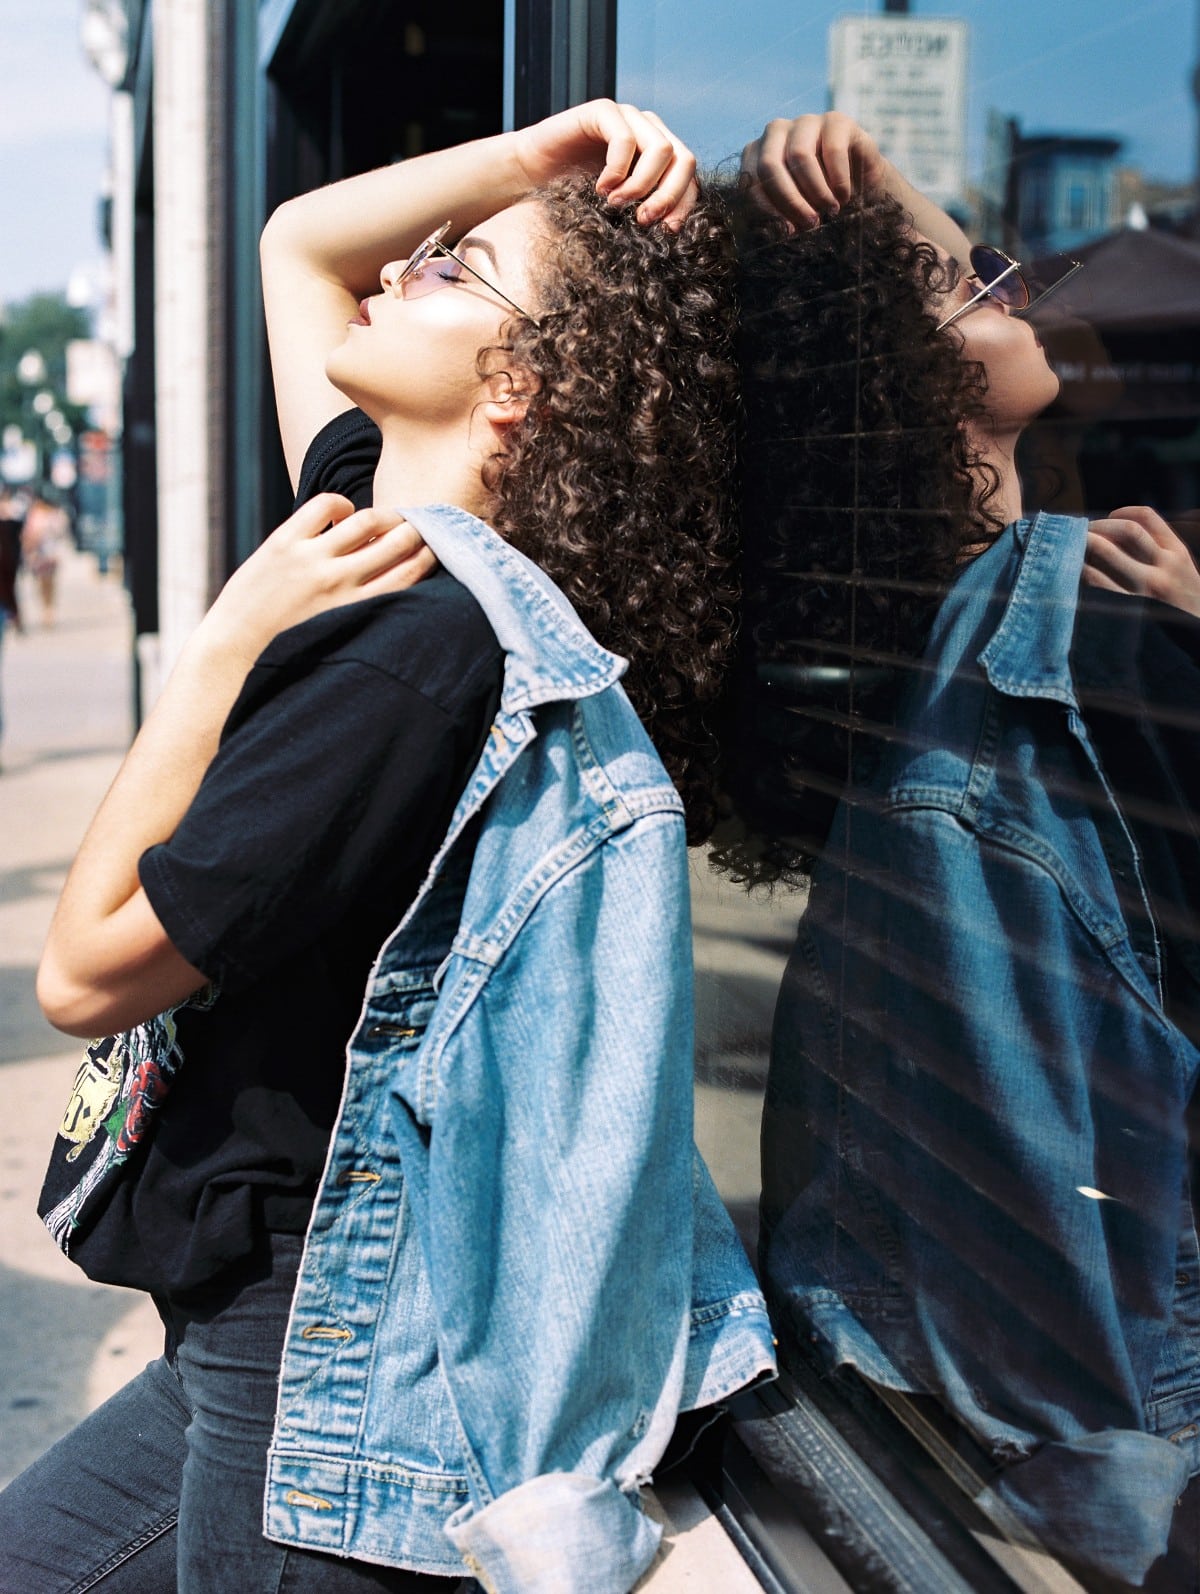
column 430, row 274
column 420, row 255
column 989, row 265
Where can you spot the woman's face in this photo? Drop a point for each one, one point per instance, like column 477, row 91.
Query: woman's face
column 1020, row 382
column 416, row 357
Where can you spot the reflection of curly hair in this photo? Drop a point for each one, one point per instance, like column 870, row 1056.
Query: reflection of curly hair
column 862, row 495
column 618, row 481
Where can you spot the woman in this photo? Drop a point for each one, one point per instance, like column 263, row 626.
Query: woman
column 424, row 823
column 980, row 724
column 43, row 539
column 11, row 514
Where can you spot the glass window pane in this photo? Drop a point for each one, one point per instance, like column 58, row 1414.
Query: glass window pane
column 946, row 1061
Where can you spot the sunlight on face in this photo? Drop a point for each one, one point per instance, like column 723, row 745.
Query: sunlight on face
column 416, row 357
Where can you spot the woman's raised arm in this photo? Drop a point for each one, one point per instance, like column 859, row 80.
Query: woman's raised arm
column 806, row 167
column 322, row 252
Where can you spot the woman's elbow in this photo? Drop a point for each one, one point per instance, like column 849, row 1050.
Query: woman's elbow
column 68, row 1003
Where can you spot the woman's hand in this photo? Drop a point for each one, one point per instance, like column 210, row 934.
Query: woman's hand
column 810, row 166
column 1135, row 551
column 303, row 568
column 108, row 961
column 636, row 156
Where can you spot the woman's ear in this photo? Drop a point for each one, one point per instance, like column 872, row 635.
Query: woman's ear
column 506, row 402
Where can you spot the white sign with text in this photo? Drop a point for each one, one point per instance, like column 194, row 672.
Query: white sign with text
column 905, row 80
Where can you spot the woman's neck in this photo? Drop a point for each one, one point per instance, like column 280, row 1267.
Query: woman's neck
column 999, row 454
column 435, row 466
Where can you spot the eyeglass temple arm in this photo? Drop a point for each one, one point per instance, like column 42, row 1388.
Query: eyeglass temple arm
column 1076, row 265
column 487, row 284
column 982, row 294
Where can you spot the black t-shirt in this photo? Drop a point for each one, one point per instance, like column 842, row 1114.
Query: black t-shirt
column 338, row 770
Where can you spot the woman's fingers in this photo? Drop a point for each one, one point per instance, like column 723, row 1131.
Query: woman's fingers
column 804, row 155
column 809, row 166
column 1150, row 521
column 392, row 564
column 639, row 159
column 376, row 548
column 1137, row 552
column 315, row 516
column 395, row 552
column 608, row 126
column 765, row 169
column 362, row 526
column 663, row 173
column 838, row 143
column 784, row 171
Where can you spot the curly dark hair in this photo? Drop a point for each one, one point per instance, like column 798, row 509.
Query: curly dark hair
column 862, row 496
column 618, row 481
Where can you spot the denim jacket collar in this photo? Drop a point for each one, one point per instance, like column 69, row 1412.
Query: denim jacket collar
column 551, row 656
column 1029, row 652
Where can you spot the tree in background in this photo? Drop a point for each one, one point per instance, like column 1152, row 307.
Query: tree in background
column 46, row 322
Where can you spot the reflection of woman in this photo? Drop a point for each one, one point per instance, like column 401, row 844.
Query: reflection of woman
column 488, row 1336
column 975, row 1144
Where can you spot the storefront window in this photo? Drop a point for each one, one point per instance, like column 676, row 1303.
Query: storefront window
column 948, row 1045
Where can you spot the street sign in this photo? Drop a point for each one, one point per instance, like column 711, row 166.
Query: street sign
column 905, row 80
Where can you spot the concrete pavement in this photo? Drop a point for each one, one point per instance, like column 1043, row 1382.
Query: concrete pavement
column 66, row 697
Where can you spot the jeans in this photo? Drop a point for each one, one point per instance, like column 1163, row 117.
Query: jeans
column 161, row 1489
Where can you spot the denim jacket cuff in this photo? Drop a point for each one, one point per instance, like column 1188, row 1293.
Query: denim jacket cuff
column 562, row 1533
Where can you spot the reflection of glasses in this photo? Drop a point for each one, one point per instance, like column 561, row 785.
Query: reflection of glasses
column 1002, row 280
column 426, row 270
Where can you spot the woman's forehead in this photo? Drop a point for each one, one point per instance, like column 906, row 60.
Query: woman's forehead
column 508, row 241
column 509, row 231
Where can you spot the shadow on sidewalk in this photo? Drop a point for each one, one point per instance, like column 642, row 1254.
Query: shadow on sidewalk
column 43, row 1397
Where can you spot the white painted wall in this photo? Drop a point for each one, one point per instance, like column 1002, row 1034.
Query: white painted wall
column 188, row 320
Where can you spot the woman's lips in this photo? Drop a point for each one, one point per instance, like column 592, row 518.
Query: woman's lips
column 363, row 318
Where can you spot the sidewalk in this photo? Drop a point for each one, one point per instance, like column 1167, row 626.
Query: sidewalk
column 66, row 698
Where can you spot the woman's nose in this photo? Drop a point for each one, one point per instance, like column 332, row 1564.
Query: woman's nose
column 390, row 275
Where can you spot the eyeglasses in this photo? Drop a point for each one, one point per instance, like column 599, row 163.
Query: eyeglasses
column 1002, row 280
column 426, row 270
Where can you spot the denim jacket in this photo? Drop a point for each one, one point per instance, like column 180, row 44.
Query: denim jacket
column 518, row 1270
column 976, row 1175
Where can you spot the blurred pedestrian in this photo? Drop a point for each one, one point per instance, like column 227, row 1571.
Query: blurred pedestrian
column 43, row 539
column 12, row 516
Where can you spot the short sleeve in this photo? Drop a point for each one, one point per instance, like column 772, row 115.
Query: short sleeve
column 336, row 789
column 341, row 459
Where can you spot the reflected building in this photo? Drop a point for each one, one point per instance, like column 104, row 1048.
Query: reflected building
column 1062, row 189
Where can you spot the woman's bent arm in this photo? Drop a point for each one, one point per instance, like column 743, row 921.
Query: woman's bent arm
column 322, row 252
column 108, row 963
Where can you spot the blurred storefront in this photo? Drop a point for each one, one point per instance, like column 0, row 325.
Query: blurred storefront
column 227, row 109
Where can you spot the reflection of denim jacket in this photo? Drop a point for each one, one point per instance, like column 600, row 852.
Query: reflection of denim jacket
column 975, row 1143
column 518, row 1270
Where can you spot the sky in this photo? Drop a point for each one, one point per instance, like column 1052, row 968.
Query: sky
column 717, row 69
column 721, row 67
column 53, row 147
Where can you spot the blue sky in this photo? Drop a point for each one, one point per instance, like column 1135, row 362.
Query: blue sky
column 1096, row 66
column 53, row 142
column 719, row 68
